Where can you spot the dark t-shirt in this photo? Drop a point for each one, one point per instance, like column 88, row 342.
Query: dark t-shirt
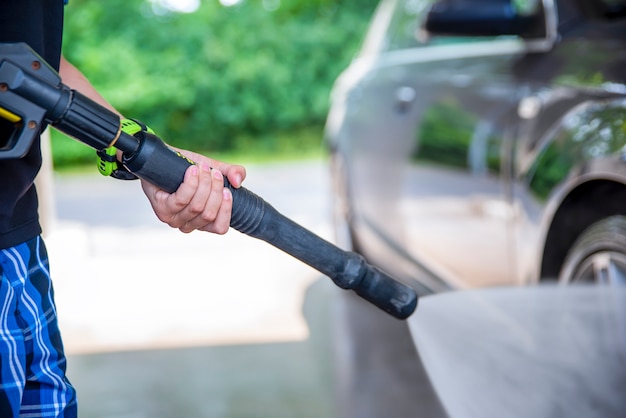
column 39, row 23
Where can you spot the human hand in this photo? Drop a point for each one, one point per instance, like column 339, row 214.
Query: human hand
column 201, row 202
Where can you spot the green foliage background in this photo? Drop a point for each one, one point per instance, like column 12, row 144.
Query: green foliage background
column 245, row 78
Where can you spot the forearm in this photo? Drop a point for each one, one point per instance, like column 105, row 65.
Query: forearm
column 73, row 78
column 76, row 80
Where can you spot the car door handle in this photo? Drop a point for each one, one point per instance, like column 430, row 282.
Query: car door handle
column 405, row 96
column 529, row 107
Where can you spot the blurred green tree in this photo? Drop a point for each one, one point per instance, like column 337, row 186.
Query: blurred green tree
column 214, row 78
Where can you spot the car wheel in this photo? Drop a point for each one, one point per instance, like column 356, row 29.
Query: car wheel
column 598, row 255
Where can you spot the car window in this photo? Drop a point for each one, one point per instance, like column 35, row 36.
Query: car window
column 404, row 31
column 612, row 9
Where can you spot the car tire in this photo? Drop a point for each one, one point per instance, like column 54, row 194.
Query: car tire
column 598, row 255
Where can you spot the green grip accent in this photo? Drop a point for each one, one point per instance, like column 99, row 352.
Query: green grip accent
column 107, row 161
column 132, row 126
column 106, row 166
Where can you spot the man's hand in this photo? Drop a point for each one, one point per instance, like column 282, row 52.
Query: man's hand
column 201, row 202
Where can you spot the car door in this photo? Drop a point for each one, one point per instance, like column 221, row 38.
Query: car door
column 429, row 148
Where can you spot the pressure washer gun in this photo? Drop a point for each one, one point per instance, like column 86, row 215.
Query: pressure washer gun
column 33, row 95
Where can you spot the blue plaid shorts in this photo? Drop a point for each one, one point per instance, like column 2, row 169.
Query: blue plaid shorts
column 32, row 361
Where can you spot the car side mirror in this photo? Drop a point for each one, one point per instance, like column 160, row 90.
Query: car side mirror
column 482, row 18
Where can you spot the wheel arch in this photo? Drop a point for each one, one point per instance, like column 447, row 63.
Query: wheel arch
column 582, row 206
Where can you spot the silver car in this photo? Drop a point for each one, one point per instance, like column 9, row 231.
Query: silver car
column 478, row 144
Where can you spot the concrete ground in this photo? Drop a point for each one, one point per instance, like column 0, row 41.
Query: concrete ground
column 289, row 378
column 162, row 324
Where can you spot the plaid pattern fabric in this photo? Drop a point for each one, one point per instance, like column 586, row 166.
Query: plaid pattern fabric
column 32, row 361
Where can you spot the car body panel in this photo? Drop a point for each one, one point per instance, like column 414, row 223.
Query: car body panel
column 453, row 156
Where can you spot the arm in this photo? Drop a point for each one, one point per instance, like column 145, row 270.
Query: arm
column 73, row 78
column 201, row 202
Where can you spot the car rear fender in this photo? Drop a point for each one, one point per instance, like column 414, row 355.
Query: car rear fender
column 594, row 197
column 580, row 174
